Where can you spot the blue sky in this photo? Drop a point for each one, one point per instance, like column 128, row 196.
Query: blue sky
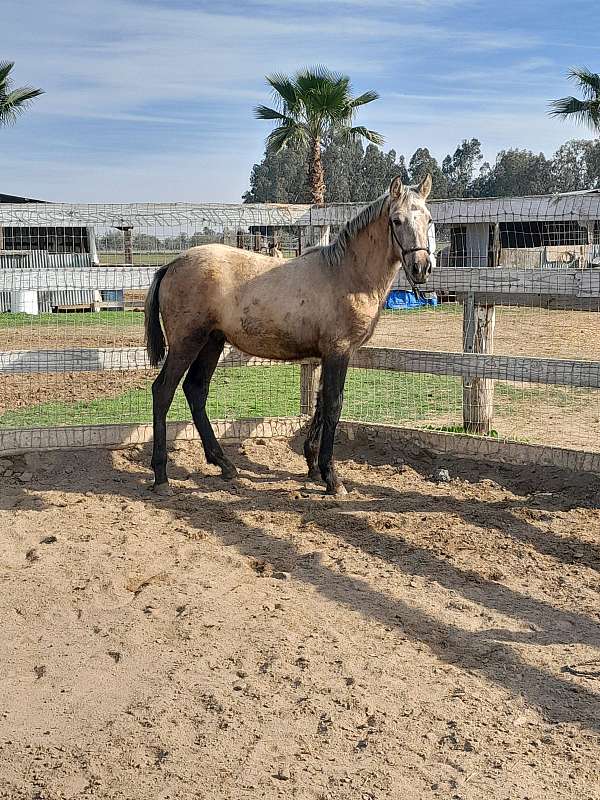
column 151, row 100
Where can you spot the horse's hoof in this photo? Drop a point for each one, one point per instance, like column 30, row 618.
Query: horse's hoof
column 229, row 473
column 337, row 491
column 314, row 475
column 162, row 489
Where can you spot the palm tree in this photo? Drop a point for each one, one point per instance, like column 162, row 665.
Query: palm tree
column 586, row 111
column 13, row 101
column 311, row 106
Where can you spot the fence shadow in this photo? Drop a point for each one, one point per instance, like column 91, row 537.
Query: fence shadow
column 488, row 652
column 545, row 487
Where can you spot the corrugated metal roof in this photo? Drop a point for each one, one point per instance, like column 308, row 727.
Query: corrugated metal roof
column 581, row 206
column 11, row 198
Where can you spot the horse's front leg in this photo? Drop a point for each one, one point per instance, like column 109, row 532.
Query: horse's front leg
column 313, row 437
column 335, row 368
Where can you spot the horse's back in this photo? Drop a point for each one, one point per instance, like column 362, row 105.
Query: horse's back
column 265, row 306
column 220, row 262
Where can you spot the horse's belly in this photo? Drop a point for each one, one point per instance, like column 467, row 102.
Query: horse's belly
column 272, row 345
column 273, row 338
column 268, row 329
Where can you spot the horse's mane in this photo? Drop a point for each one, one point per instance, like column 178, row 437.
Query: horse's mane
column 334, row 253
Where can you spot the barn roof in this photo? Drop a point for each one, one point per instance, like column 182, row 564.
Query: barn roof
column 579, row 206
column 11, row 198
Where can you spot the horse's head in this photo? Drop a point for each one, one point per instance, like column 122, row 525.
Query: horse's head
column 409, row 228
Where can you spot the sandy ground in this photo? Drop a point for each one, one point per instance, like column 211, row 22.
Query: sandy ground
column 62, row 337
column 518, row 332
column 258, row 640
column 23, row 391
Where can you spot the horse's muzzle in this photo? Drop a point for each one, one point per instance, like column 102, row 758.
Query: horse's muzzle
column 420, row 265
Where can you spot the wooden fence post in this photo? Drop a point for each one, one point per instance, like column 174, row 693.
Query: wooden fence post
column 314, row 235
column 479, row 320
column 478, row 393
column 128, row 245
column 127, row 231
column 310, row 373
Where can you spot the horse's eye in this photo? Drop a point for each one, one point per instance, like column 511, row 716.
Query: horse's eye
column 396, row 222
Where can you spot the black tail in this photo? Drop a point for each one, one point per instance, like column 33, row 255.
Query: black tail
column 155, row 338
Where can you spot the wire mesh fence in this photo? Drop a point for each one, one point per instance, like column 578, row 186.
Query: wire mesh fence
column 516, row 287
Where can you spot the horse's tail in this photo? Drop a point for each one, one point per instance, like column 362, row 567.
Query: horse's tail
column 155, row 338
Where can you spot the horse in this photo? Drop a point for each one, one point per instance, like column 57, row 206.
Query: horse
column 324, row 305
column 275, row 250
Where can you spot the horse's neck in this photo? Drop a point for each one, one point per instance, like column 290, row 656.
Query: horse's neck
column 371, row 264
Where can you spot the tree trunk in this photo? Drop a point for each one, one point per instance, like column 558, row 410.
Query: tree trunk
column 316, row 176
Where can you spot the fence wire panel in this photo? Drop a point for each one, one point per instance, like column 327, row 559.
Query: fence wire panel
column 506, row 344
column 514, row 277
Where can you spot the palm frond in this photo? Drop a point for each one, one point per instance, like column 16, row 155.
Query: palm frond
column 584, row 111
column 358, row 132
column 22, row 95
column 5, row 70
column 264, row 112
column 365, row 98
column 284, row 89
column 14, row 103
column 588, row 81
column 324, row 92
column 311, row 79
column 286, row 135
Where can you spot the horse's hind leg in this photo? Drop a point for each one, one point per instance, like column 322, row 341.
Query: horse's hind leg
column 196, row 386
column 163, row 390
column 334, row 377
column 313, row 437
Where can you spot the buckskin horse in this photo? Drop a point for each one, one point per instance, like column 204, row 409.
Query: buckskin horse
column 323, row 304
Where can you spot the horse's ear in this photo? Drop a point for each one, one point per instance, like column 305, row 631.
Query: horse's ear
column 396, row 188
column 425, row 186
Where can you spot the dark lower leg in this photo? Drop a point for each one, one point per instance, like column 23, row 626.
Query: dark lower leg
column 311, row 445
column 163, row 390
column 334, row 377
column 196, row 387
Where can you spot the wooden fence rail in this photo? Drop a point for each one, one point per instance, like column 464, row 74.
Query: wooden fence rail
column 573, row 283
column 464, row 365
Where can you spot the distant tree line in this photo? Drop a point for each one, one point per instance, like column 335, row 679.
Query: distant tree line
column 354, row 174
column 112, row 241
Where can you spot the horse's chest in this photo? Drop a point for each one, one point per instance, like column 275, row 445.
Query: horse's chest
column 362, row 320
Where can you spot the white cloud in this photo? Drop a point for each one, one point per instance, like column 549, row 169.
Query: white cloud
column 117, row 56
column 441, row 123
column 120, row 75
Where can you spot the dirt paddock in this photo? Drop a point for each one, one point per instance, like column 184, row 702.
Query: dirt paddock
column 258, row 640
